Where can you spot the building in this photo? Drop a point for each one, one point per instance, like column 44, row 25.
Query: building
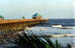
column 36, row 16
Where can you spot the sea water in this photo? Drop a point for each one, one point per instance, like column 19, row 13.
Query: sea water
column 46, row 29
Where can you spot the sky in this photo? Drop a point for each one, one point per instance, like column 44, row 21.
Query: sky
column 49, row 9
column 74, row 8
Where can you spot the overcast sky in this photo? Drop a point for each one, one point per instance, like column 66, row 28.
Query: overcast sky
column 51, row 9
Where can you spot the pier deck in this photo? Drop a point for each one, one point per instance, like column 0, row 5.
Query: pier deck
column 9, row 26
column 18, row 24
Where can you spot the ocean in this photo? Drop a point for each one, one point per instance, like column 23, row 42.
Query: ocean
column 46, row 29
column 64, row 22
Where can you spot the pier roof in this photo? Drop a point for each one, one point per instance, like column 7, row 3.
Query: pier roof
column 36, row 14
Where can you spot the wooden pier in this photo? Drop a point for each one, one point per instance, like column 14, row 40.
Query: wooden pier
column 10, row 27
column 18, row 24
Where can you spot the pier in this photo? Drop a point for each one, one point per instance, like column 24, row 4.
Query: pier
column 10, row 27
column 18, row 24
